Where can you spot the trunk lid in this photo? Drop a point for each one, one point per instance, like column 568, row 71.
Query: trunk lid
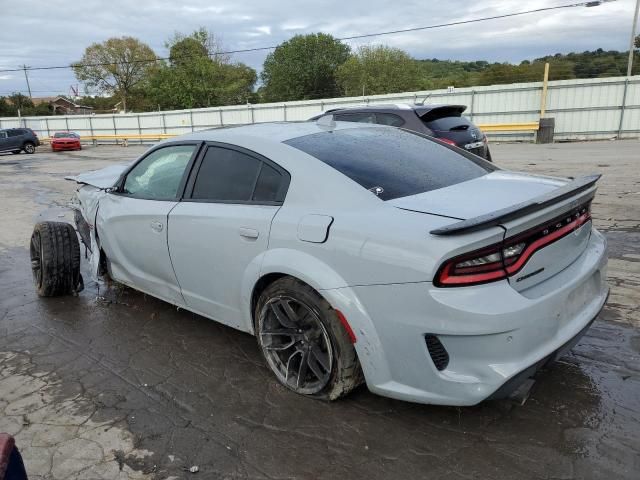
column 497, row 192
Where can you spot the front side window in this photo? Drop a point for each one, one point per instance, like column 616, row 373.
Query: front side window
column 399, row 162
column 158, row 175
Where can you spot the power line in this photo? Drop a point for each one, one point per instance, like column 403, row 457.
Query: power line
column 352, row 37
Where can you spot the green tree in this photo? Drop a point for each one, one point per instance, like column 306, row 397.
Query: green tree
column 303, row 67
column 9, row 106
column 198, row 75
column 636, row 42
column 378, row 69
column 6, row 109
column 116, row 66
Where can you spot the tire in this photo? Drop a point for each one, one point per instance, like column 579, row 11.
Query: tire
column 29, row 147
column 310, row 352
column 55, row 259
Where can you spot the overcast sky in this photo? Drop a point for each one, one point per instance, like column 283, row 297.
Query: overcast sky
column 56, row 32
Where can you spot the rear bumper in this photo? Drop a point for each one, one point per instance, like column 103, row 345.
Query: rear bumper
column 68, row 146
column 512, row 385
column 492, row 333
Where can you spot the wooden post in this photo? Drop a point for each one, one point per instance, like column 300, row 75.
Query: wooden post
column 545, row 85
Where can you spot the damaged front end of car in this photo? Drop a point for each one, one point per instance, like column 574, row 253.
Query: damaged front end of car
column 92, row 187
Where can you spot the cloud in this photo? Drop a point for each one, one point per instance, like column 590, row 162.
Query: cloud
column 58, row 35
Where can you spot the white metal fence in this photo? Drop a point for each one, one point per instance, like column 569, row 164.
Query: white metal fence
column 583, row 109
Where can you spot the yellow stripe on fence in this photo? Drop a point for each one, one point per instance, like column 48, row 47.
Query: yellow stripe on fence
column 509, row 127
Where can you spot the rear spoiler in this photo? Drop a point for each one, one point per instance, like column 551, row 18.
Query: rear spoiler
column 499, row 216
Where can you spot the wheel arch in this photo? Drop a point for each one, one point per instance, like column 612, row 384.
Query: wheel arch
column 332, row 287
column 283, row 262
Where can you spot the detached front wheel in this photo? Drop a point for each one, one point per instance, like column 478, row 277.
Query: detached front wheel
column 55, row 259
column 304, row 342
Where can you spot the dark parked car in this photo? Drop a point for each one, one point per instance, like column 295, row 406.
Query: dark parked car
column 18, row 140
column 444, row 122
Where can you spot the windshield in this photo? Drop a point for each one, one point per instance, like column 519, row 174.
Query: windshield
column 391, row 162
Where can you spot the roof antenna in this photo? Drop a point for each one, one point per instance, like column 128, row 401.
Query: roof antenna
column 326, row 122
column 424, row 99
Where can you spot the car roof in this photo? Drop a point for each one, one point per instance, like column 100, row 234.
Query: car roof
column 269, row 131
column 416, row 107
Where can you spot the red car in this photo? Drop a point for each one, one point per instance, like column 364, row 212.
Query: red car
column 65, row 141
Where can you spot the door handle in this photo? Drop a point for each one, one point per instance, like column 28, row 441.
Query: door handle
column 248, row 233
column 157, row 226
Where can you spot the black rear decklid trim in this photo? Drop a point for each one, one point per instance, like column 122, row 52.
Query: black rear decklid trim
column 503, row 215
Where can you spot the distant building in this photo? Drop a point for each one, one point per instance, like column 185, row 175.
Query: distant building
column 64, row 106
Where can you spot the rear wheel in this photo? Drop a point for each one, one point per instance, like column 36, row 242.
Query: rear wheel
column 55, row 259
column 304, row 342
column 29, row 147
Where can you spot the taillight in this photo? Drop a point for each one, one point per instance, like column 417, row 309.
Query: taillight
column 507, row 258
column 446, row 140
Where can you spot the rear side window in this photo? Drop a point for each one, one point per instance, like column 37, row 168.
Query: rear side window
column 356, row 117
column 389, row 119
column 227, row 175
column 402, row 163
column 14, row 133
column 268, row 185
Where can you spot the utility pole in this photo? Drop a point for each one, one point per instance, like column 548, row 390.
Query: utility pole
column 633, row 37
column 26, row 77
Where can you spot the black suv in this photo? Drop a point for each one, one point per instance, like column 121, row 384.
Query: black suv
column 444, row 122
column 15, row 140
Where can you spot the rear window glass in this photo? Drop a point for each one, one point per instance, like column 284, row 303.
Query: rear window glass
column 399, row 162
column 448, row 124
